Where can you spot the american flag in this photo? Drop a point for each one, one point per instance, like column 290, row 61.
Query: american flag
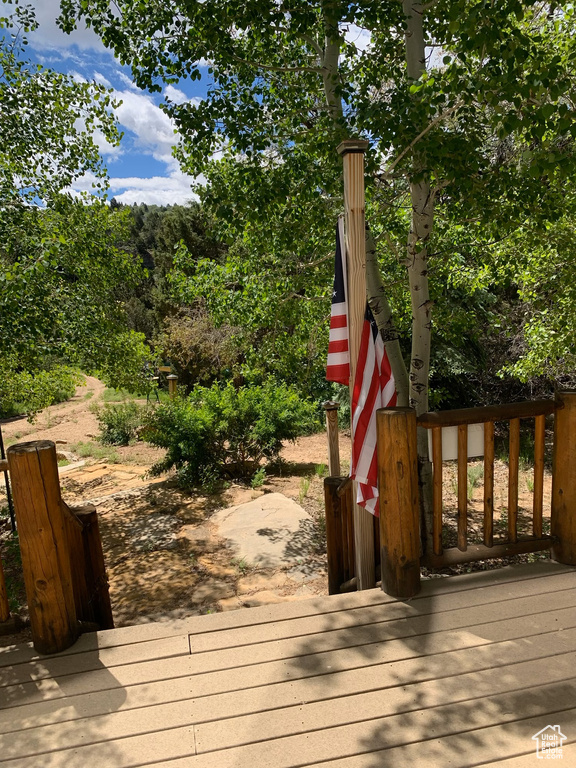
column 338, row 365
column 373, row 386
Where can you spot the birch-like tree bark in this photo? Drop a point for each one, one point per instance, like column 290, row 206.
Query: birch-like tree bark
column 422, row 219
column 384, row 320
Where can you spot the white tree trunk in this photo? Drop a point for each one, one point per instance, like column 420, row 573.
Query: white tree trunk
column 383, row 315
column 420, row 230
column 422, row 200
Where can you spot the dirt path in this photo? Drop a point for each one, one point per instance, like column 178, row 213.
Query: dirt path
column 66, row 423
column 163, row 554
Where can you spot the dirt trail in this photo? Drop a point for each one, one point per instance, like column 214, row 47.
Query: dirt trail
column 164, row 556
column 66, row 423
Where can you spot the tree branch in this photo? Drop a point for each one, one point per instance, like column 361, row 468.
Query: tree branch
column 423, row 132
column 272, row 68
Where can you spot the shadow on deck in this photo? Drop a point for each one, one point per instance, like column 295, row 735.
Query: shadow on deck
column 462, row 675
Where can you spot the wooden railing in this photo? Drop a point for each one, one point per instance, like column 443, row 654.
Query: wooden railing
column 399, row 524
column 62, row 559
column 488, row 416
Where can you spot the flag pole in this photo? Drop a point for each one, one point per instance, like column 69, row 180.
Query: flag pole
column 352, row 153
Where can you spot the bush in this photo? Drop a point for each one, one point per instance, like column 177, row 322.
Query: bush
column 221, row 430
column 24, row 392
column 120, row 423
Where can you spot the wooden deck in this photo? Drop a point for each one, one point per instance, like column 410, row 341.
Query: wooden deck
column 463, row 675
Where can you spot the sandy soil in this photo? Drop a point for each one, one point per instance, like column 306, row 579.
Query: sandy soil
column 163, row 555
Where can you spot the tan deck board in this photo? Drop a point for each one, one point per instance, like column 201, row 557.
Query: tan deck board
column 510, row 578
column 323, row 654
column 154, row 681
column 463, row 675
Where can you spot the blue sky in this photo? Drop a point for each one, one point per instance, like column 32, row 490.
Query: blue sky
column 141, row 169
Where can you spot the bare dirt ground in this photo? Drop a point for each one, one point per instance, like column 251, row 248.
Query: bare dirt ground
column 164, row 556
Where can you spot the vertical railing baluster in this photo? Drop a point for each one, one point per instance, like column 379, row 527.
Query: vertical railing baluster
column 463, row 487
column 513, row 461
column 437, row 494
column 489, row 483
column 538, row 501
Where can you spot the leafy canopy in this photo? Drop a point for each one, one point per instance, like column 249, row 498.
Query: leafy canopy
column 47, row 121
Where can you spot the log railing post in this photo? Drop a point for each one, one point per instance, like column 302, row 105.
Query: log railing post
column 331, row 409
column 43, row 544
column 89, row 578
column 172, row 385
column 334, row 534
column 352, row 151
column 399, row 505
column 563, row 515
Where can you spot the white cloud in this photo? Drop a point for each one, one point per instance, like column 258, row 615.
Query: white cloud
column 175, row 95
column 358, row 36
column 49, row 35
column 158, row 190
column 101, row 80
column 77, row 77
column 127, row 82
column 154, row 131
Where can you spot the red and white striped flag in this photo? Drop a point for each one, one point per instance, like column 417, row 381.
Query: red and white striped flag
column 373, row 386
column 338, row 364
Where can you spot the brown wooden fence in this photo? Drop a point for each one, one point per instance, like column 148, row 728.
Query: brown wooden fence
column 62, row 559
column 511, row 544
column 399, row 527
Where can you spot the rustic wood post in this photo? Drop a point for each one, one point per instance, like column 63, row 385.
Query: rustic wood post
column 44, row 545
column 331, row 409
column 89, row 578
column 352, row 152
column 563, row 515
column 399, row 503
column 96, row 577
column 334, row 537
column 172, row 385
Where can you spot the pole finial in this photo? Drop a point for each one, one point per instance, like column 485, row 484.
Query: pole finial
column 352, row 146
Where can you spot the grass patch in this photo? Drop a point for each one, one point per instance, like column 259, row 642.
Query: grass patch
column 475, row 474
column 241, row 565
column 94, row 450
column 111, row 395
column 304, row 488
column 258, row 478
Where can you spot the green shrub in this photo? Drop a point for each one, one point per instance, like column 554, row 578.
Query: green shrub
column 24, row 392
column 120, row 423
column 221, row 430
